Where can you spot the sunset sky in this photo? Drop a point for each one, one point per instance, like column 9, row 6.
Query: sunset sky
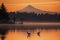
column 48, row 5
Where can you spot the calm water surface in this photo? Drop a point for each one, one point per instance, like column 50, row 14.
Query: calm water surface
column 44, row 35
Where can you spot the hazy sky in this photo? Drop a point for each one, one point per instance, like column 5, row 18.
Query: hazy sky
column 48, row 5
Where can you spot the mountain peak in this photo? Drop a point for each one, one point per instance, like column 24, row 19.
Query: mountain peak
column 30, row 6
column 30, row 9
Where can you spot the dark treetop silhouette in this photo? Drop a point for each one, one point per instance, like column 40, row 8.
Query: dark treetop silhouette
column 4, row 17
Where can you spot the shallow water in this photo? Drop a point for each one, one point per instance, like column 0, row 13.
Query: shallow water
column 44, row 35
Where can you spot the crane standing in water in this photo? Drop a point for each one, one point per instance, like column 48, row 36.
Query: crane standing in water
column 38, row 33
column 28, row 34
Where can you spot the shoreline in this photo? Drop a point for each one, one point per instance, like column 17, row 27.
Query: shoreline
column 34, row 23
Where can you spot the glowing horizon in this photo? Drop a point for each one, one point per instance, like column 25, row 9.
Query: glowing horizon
column 47, row 5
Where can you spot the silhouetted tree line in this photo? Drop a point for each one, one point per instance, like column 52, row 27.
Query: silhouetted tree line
column 4, row 16
column 43, row 17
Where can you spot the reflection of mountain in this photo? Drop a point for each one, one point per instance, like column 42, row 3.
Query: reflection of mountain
column 30, row 8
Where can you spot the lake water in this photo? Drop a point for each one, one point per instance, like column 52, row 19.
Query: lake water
column 46, row 32
column 44, row 35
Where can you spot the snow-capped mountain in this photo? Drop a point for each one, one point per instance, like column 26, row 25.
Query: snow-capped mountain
column 30, row 9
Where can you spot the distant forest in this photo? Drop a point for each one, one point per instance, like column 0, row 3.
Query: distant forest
column 35, row 17
column 11, row 17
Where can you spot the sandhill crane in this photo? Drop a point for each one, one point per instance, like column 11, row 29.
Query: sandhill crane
column 38, row 33
column 28, row 34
